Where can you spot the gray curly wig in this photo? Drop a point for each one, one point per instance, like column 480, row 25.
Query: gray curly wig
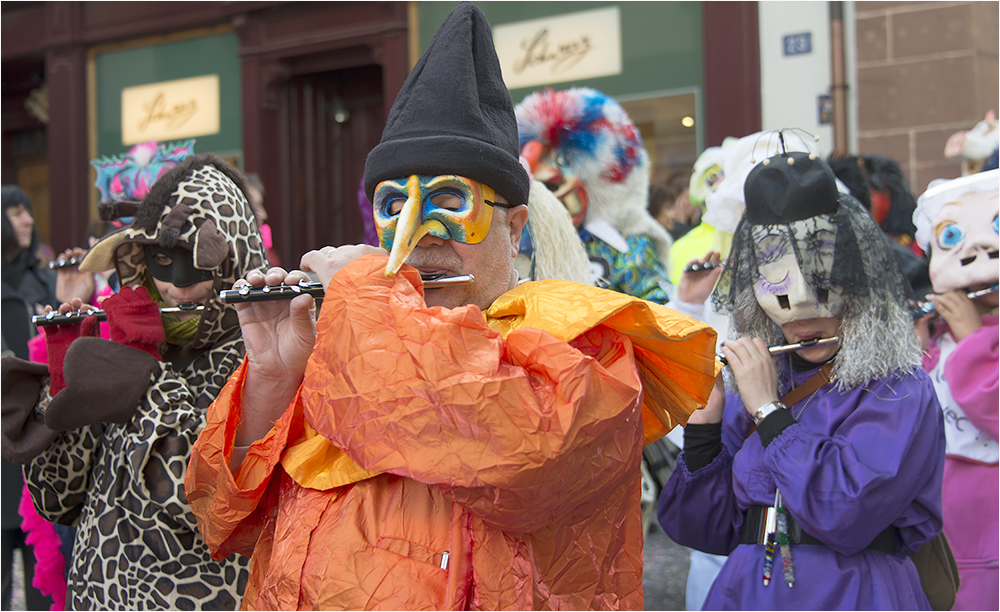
column 877, row 336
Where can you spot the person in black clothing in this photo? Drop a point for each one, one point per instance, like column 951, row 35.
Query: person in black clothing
column 880, row 186
column 27, row 288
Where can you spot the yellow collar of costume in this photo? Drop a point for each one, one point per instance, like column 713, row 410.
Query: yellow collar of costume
column 675, row 356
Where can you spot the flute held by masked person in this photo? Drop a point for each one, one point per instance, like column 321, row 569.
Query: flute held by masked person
column 925, row 308
column 73, row 318
column 781, row 349
column 315, row 289
column 65, row 262
column 701, row 267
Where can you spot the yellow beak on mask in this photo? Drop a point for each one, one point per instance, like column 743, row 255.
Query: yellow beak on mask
column 449, row 207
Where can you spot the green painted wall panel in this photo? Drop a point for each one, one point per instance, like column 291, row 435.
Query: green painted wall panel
column 661, row 41
column 214, row 54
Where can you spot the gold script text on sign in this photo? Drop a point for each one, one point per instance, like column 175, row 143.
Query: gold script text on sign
column 170, row 110
column 560, row 48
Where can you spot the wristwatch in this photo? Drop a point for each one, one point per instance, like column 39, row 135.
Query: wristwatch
column 767, row 409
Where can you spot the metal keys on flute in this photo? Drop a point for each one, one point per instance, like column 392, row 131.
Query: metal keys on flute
column 64, row 263
column 72, row 318
column 705, row 266
column 791, row 348
column 925, row 308
column 315, row 289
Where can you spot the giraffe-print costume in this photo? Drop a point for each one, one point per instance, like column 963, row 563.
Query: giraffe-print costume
column 137, row 544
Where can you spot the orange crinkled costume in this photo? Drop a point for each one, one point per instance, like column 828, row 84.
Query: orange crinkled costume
column 437, row 459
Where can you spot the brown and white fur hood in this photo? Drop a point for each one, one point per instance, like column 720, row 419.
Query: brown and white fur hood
column 201, row 205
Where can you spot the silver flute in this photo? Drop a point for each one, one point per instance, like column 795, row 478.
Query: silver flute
column 925, row 308
column 699, row 267
column 781, row 349
column 73, row 318
column 56, row 264
column 315, row 289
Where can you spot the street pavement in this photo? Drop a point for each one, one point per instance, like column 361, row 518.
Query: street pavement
column 17, row 603
column 665, row 570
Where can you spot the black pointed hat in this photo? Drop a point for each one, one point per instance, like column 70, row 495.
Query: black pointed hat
column 790, row 187
column 453, row 114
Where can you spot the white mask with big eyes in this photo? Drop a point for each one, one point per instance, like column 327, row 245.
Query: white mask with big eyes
column 964, row 242
column 791, row 288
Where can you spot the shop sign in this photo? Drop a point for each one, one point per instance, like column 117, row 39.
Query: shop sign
column 561, row 48
column 169, row 110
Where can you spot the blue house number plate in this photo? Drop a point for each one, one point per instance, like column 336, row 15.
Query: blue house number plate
column 798, row 44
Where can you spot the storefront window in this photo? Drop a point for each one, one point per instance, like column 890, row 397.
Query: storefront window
column 669, row 127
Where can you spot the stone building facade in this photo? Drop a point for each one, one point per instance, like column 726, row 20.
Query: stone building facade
column 924, row 71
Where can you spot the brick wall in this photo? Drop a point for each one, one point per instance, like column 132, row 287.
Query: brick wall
column 925, row 71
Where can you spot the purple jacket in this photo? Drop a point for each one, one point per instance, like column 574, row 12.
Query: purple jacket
column 854, row 464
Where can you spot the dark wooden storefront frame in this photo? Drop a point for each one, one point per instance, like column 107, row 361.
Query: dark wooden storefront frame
column 273, row 53
column 60, row 34
column 274, row 39
column 731, row 58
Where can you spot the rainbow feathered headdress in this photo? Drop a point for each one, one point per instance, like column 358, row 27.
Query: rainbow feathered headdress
column 594, row 138
column 124, row 180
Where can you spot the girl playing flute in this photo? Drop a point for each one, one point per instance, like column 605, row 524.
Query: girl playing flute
column 957, row 224
column 105, row 432
column 829, row 491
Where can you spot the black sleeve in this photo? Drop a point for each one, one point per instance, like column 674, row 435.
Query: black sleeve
column 702, row 443
column 773, row 425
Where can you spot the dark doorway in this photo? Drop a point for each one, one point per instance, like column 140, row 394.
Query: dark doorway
column 332, row 119
column 25, row 143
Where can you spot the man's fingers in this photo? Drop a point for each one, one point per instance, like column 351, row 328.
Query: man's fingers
column 254, row 278
column 303, row 314
column 312, row 260
column 272, row 277
column 295, row 276
column 275, row 276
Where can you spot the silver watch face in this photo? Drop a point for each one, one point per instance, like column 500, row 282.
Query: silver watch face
column 765, row 410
